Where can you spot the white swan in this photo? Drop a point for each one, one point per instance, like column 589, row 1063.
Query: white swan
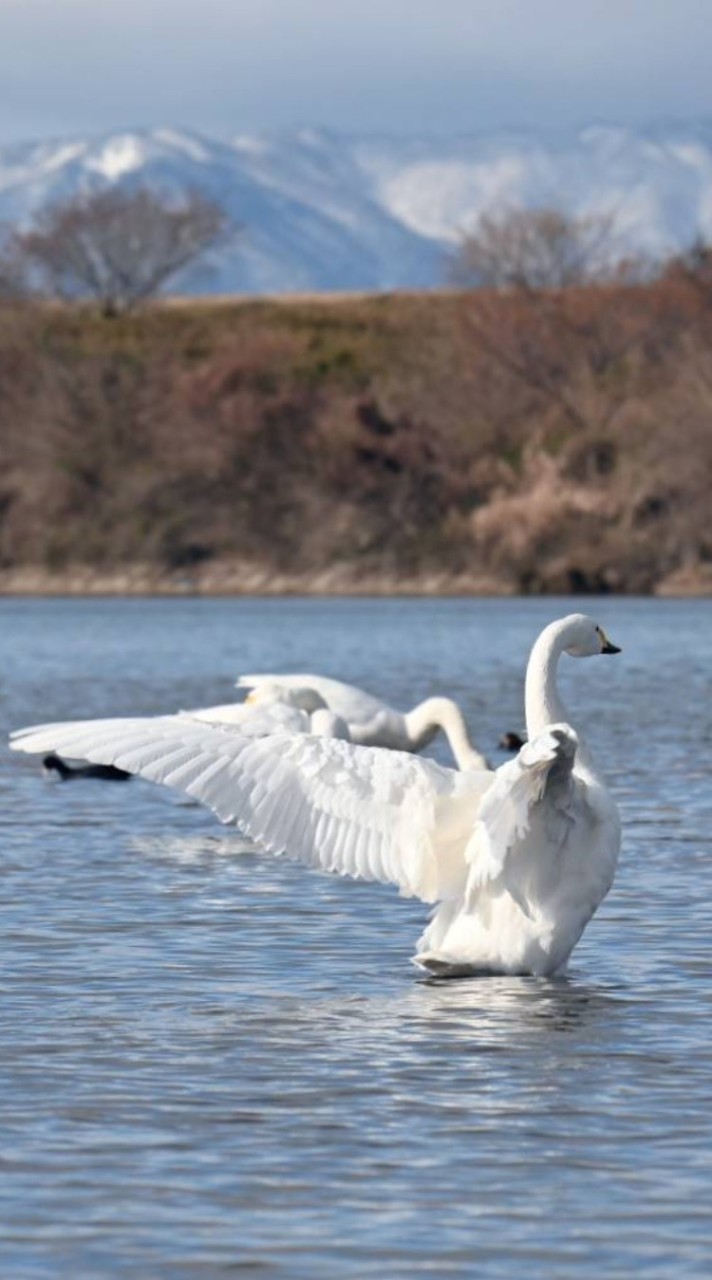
column 372, row 723
column 268, row 710
column 274, row 707
column 518, row 860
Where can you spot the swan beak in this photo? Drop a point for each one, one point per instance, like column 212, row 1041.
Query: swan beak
column 606, row 646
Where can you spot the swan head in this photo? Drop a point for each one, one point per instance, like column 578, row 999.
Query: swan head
column 52, row 763
column 582, row 637
column 271, row 692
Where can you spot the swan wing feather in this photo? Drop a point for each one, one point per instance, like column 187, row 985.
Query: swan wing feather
column 543, row 768
column 372, row 814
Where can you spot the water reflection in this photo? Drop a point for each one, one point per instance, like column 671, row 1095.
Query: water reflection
column 193, row 849
column 522, row 1005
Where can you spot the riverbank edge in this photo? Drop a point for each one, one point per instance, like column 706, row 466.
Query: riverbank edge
column 245, row 579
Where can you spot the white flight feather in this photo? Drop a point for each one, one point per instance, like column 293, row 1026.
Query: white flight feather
column 383, row 805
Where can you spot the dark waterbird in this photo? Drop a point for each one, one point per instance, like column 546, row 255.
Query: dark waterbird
column 68, row 772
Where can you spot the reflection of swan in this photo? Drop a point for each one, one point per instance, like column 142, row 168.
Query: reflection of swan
column 518, row 859
column 372, row 723
column 191, row 849
column 274, row 707
column 505, row 1011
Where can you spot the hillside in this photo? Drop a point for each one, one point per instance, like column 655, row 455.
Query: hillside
column 436, row 442
column 320, row 212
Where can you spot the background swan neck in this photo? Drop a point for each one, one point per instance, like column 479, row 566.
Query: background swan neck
column 424, row 721
column 542, row 701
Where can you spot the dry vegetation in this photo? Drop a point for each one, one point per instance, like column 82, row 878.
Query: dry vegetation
column 536, row 440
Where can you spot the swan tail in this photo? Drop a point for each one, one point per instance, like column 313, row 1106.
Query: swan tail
column 439, row 965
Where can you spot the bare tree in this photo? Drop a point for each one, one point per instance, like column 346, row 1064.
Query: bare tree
column 552, row 331
column 536, row 249
column 692, row 268
column 119, row 247
column 694, row 262
column 14, row 286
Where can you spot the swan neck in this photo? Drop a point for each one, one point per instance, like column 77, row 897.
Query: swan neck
column 543, row 703
column 425, row 720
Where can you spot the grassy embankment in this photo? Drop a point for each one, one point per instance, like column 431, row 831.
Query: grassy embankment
column 440, row 442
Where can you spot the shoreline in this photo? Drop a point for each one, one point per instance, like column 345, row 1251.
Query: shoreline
column 235, row 579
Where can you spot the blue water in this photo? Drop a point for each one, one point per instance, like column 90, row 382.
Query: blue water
column 214, row 1063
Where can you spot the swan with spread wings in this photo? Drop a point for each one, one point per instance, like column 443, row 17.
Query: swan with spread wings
column 515, row 861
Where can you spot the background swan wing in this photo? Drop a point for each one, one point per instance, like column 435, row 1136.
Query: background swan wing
column 254, row 721
column 354, row 705
column 542, row 770
column 358, row 811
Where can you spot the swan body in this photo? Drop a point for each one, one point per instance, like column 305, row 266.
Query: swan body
column 373, row 723
column 515, row 861
column 273, row 708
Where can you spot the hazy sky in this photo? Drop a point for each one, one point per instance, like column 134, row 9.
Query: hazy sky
column 438, row 66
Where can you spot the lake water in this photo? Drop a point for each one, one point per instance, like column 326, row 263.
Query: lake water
column 214, row 1063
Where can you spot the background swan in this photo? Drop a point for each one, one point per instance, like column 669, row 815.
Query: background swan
column 518, row 860
column 274, row 707
column 373, row 723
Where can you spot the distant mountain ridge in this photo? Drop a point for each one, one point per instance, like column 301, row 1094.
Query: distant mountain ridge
column 322, row 212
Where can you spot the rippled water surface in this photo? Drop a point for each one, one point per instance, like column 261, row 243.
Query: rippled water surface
column 216, row 1063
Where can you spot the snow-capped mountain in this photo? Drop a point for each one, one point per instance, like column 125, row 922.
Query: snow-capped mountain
column 320, row 212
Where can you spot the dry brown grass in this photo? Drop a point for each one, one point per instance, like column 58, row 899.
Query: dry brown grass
column 546, row 442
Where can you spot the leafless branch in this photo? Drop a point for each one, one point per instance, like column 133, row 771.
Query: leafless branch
column 119, row 247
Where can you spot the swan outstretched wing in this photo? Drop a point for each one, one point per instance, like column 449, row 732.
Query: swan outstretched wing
column 354, row 705
column 359, row 811
column 541, row 770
